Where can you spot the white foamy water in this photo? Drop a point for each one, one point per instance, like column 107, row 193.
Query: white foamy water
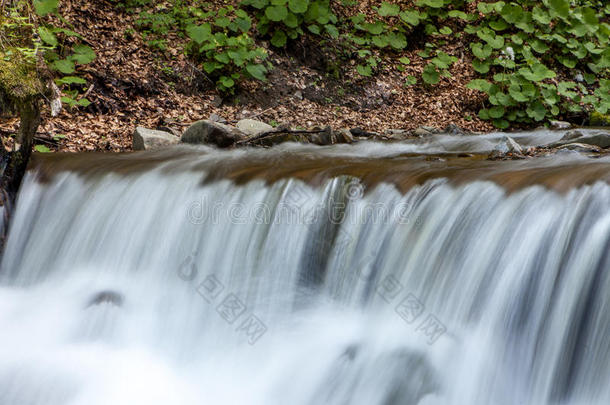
column 151, row 288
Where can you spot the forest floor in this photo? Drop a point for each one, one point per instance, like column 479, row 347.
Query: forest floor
column 132, row 84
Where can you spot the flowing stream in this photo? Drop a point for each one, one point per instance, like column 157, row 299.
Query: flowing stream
column 301, row 275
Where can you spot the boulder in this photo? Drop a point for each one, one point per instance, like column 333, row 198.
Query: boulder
column 560, row 125
column 150, row 139
column 595, row 138
column 324, row 137
column 343, row 136
column 207, row 132
column 253, row 127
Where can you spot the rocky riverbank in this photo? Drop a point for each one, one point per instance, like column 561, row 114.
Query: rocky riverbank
column 217, row 132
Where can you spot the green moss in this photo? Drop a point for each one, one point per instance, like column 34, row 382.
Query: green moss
column 599, row 120
column 19, row 79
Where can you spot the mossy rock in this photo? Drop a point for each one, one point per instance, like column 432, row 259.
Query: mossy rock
column 19, row 80
column 599, row 120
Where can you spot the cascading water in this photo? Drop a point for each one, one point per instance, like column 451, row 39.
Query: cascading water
column 312, row 285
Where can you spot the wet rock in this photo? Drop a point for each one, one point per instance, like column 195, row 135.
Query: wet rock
column 560, row 125
column 324, row 137
column 572, row 135
column 423, row 132
column 596, row 138
column 580, row 147
column 361, row 133
column 453, row 129
column 106, row 297
column 217, row 118
column 398, row 134
column 207, row 132
column 150, row 139
column 343, row 136
column 253, row 127
column 504, row 147
column 170, row 130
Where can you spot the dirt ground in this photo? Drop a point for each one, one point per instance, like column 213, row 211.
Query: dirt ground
column 131, row 84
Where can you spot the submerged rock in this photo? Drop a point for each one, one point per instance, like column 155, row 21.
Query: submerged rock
column 596, row 138
column 207, row 132
column 580, row 147
column 106, row 297
column 253, row 127
column 150, row 139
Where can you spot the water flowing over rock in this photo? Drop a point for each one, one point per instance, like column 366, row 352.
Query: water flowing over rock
column 351, row 274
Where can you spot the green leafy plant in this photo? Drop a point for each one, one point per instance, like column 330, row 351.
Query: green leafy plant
column 226, row 50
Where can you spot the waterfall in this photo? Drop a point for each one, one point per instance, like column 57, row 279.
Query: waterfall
column 194, row 281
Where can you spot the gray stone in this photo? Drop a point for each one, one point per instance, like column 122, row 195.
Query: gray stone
column 580, row 147
column 453, row 129
column 601, row 139
column 423, row 132
column 596, row 138
column 572, row 135
column 560, row 125
column 324, row 137
column 397, row 134
column 217, row 118
column 150, row 139
column 253, row 127
column 343, row 136
column 361, row 133
column 212, row 133
column 505, row 146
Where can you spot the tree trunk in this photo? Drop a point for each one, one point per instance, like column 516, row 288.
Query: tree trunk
column 13, row 164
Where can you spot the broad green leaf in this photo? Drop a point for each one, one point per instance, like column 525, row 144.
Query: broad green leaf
column 430, row 74
column 479, row 84
column 279, row 39
column 42, row 149
column 364, row 70
column 430, row 3
column 44, row 7
column 47, row 36
column 276, row 13
column 257, row 71
column 298, row 6
column 388, row 9
column 83, row 54
column 71, row 80
column 560, row 7
column 65, row 66
column 199, row 33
